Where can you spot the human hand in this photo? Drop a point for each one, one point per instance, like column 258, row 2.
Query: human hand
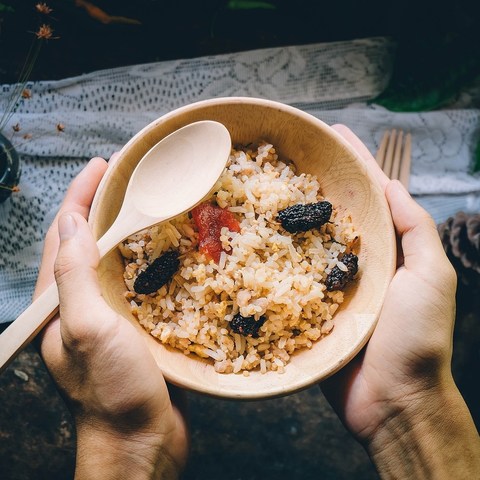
column 401, row 383
column 125, row 422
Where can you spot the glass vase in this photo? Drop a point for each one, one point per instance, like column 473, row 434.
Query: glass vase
column 9, row 168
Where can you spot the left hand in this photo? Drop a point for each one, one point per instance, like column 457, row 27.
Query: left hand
column 124, row 418
column 398, row 396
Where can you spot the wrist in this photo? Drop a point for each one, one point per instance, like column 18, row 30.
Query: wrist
column 429, row 435
column 104, row 454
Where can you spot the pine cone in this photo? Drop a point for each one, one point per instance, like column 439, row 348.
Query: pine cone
column 461, row 240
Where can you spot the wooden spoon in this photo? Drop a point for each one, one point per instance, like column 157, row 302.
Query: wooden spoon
column 174, row 176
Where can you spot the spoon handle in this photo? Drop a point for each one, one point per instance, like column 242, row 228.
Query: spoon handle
column 109, row 241
column 24, row 329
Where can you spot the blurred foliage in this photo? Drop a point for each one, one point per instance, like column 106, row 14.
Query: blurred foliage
column 6, row 8
column 437, row 54
column 429, row 74
column 249, row 5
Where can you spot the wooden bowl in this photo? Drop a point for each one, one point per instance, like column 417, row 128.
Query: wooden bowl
column 315, row 148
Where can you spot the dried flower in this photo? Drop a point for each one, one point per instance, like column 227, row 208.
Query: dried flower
column 26, row 93
column 13, row 189
column 43, row 8
column 60, row 127
column 27, row 136
column 16, row 127
column 45, row 32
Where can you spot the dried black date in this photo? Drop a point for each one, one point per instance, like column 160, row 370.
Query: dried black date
column 158, row 273
column 246, row 326
column 337, row 279
column 303, row 217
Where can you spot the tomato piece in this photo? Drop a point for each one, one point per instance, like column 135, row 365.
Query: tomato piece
column 209, row 220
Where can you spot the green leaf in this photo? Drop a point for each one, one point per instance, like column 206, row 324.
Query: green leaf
column 6, row 8
column 249, row 5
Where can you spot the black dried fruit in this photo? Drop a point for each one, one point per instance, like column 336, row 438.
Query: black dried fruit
column 246, row 325
column 158, row 273
column 303, row 217
column 337, row 279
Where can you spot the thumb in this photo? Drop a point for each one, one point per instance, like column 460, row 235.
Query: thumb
column 77, row 281
column 423, row 252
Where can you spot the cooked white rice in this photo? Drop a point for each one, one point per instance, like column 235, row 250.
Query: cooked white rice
column 267, row 271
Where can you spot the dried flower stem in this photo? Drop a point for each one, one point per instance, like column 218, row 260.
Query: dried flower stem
column 16, row 94
column 44, row 33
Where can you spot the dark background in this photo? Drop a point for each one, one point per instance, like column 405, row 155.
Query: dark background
column 438, row 41
column 297, row 436
column 437, row 55
column 176, row 29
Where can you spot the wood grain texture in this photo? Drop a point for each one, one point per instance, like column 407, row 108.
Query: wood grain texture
column 315, row 148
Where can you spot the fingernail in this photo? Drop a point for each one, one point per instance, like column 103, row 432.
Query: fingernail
column 67, row 227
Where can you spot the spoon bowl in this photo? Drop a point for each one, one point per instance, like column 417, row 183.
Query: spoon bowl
column 192, row 159
column 171, row 178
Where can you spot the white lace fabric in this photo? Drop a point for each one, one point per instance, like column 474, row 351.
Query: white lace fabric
column 102, row 110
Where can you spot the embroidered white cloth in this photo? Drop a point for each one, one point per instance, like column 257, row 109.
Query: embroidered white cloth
column 102, row 110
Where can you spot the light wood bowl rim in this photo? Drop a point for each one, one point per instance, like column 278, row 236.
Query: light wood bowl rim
column 277, row 388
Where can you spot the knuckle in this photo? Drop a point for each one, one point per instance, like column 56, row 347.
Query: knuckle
column 64, row 266
column 427, row 221
column 78, row 337
column 88, row 330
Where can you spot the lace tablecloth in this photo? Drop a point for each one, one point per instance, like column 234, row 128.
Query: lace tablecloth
column 102, row 110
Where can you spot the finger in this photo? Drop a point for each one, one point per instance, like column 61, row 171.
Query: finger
column 76, row 265
column 78, row 199
column 113, row 159
column 422, row 249
column 363, row 151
